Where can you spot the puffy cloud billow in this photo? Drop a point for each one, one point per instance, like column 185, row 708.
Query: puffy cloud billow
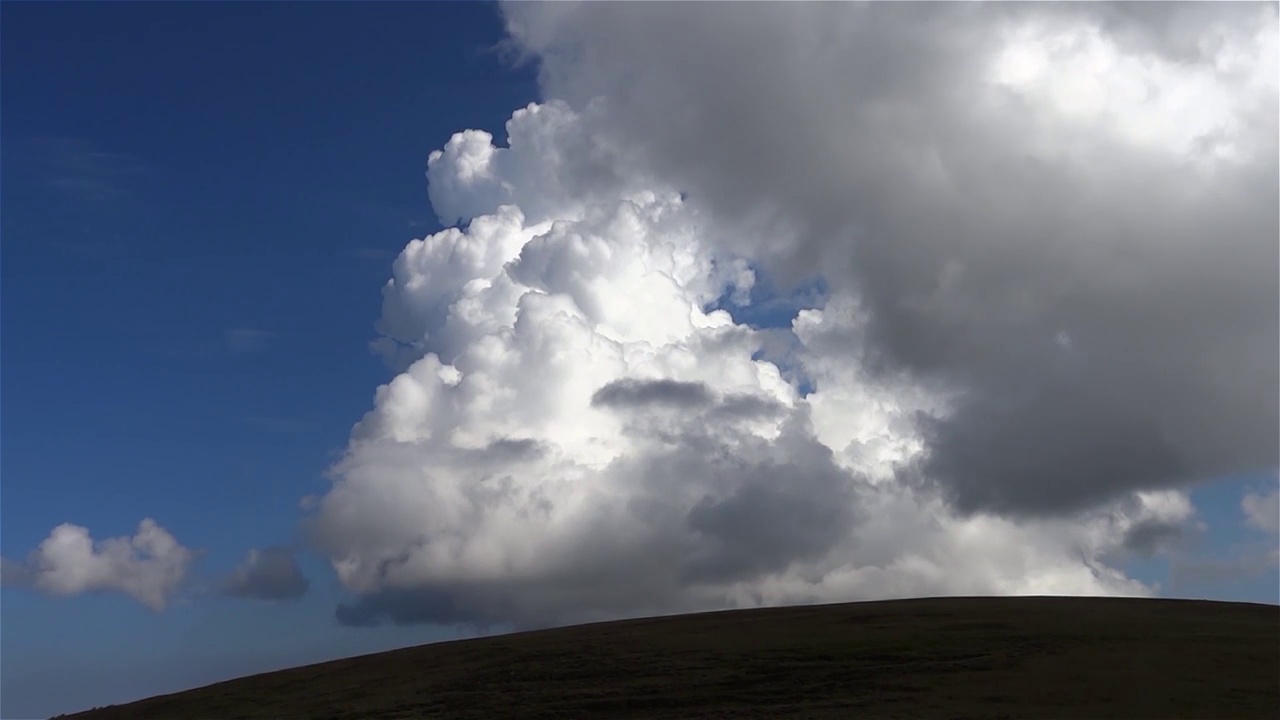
column 1048, row 239
column 149, row 566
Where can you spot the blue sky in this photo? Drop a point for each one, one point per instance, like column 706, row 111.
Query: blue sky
column 201, row 203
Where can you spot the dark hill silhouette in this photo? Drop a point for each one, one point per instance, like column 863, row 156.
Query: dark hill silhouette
column 926, row 658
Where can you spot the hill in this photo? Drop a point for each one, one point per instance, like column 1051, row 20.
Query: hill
column 947, row 657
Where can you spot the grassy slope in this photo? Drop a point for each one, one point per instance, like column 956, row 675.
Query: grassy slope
column 970, row 657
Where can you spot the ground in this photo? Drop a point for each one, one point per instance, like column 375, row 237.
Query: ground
column 929, row 658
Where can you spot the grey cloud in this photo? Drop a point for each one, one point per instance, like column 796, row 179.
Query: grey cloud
column 407, row 607
column 1063, row 449
column 631, row 393
column 779, row 514
column 14, row 573
column 1153, row 536
column 742, row 407
column 268, row 574
column 603, row 583
column 512, row 449
column 859, row 141
column 1173, row 32
column 706, row 510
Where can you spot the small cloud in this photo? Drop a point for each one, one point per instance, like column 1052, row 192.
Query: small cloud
column 371, row 254
column 748, row 406
column 1262, row 512
column 148, row 567
column 268, row 574
column 15, row 574
column 242, row 341
column 408, row 607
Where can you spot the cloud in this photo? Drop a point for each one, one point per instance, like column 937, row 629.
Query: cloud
column 149, row 567
column 14, row 573
column 1043, row 239
column 408, row 607
column 637, row 393
column 1168, row 523
column 577, row 433
column 370, row 254
column 1251, row 557
column 1033, row 208
column 286, row 426
column 242, row 341
column 80, row 169
column 1262, row 512
column 268, row 574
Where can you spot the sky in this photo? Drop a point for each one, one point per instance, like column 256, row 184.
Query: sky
column 329, row 328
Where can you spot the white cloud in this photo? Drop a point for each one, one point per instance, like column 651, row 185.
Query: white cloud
column 149, row 566
column 548, row 169
column 575, row 437
column 1262, row 511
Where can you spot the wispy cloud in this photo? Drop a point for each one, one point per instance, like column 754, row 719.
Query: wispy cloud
column 371, row 254
column 242, row 341
column 1243, row 563
column 88, row 173
column 1262, row 512
column 391, row 216
column 286, row 426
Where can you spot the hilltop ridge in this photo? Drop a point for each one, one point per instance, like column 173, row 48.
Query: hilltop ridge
column 937, row 657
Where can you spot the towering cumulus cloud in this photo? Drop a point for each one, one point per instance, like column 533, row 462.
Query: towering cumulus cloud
column 1049, row 239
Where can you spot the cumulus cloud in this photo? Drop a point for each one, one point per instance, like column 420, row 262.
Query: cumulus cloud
column 1043, row 312
column 149, row 566
column 267, row 574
